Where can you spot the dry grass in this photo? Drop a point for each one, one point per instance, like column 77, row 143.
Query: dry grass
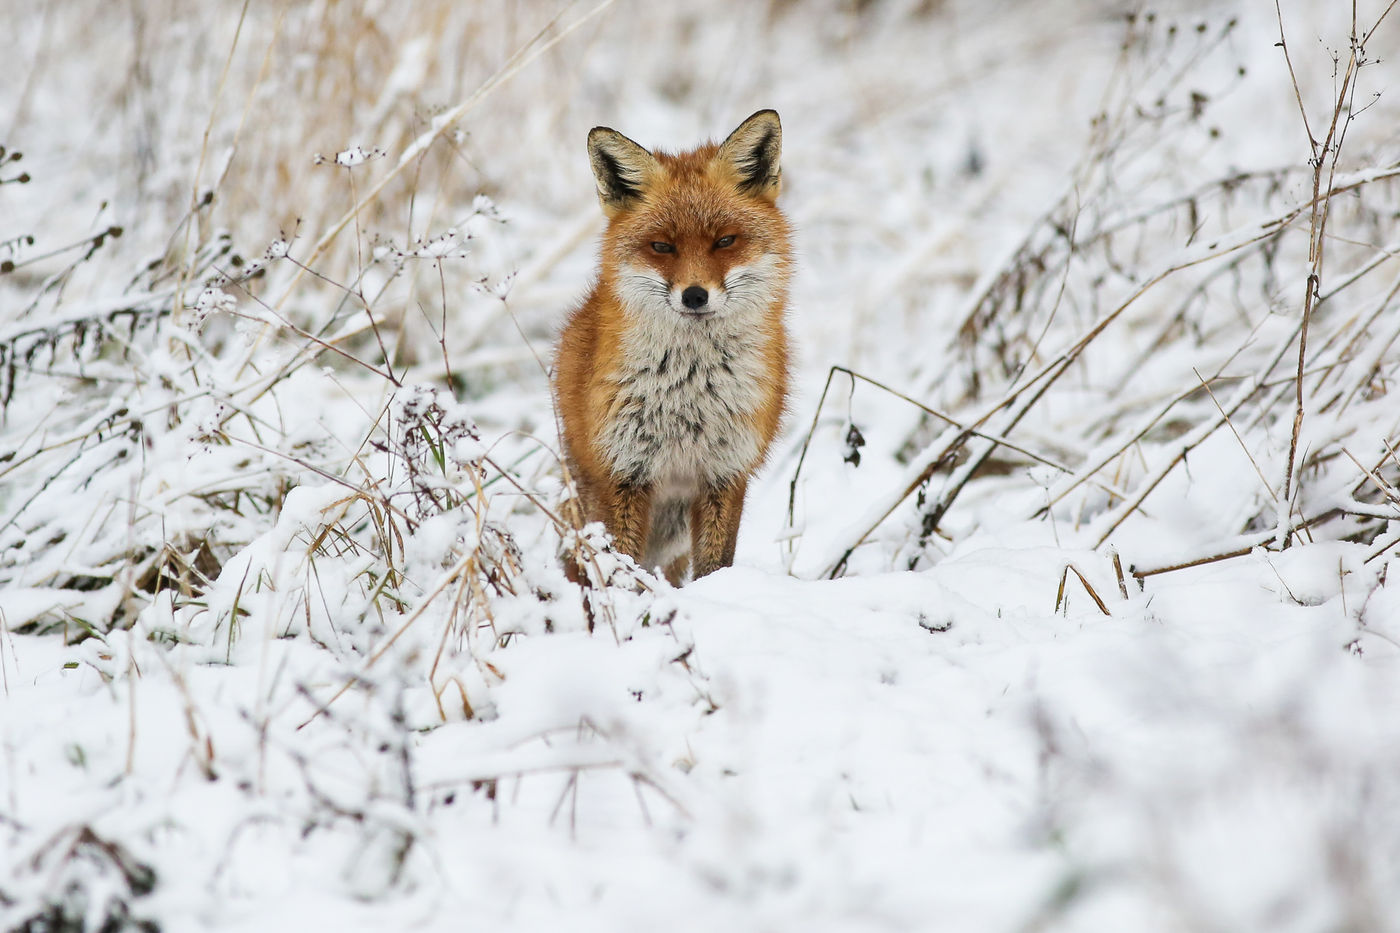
column 1177, row 278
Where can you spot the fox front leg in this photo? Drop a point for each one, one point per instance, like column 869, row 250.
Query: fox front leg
column 714, row 526
column 629, row 519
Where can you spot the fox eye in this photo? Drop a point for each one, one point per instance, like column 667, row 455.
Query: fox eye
column 724, row 241
column 660, row 247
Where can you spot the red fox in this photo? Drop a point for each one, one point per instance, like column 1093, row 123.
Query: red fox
column 672, row 376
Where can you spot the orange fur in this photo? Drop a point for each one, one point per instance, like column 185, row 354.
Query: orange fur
column 671, row 378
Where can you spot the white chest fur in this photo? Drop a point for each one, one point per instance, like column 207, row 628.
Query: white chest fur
column 684, row 391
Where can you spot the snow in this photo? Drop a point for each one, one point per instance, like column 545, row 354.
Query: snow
column 286, row 641
column 859, row 771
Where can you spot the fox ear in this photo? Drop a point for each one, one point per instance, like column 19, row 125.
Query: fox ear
column 752, row 151
column 622, row 168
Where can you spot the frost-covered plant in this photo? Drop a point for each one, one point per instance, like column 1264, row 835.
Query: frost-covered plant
column 1151, row 317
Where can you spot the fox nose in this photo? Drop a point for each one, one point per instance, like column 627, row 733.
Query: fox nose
column 694, row 297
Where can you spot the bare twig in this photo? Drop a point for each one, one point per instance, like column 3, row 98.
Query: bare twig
column 1088, row 588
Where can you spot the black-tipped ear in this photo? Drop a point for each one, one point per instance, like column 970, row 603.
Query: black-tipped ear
column 753, row 151
column 622, row 169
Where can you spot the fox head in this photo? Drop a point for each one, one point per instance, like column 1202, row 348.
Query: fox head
column 697, row 234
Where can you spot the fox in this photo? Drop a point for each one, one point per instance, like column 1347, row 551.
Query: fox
column 671, row 378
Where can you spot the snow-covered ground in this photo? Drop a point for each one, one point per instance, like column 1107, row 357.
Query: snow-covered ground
column 1057, row 615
